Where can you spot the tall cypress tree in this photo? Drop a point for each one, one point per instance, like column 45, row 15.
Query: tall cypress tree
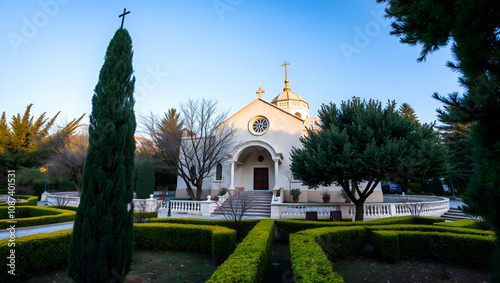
column 145, row 185
column 102, row 242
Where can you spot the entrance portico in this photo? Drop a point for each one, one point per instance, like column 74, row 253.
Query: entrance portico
column 255, row 166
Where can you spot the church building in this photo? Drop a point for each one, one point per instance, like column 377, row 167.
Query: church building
column 266, row 133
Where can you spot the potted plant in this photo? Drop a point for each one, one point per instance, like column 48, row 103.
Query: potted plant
column 345, row 196
column 295, row 194
column 326, row 197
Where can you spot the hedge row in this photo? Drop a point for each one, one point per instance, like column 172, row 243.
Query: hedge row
column 431, row 228
column 285, row 227
column 309, row 261
column 35, row 215
column 243, row 230
column 463, row 223
column 45, row 252
column 35, row 254
column 249, row 261
column 29, row 200
column 217, row 241
column 463, row 249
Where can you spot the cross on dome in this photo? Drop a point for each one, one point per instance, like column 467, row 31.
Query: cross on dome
column 287, row 88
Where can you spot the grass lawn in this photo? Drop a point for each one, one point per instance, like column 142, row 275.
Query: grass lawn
column 155, row 266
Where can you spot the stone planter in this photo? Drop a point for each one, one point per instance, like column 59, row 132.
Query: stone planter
column 295, row 200
column 326, row 200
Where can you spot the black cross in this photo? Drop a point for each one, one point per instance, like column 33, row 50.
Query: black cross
column 123, row 16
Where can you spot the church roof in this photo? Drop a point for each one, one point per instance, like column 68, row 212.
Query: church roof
column 287, row 95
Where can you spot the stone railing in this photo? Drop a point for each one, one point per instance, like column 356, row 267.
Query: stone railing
column 431, row 206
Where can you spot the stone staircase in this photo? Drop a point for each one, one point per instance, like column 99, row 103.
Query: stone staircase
column 260, row 204
column 454, row 214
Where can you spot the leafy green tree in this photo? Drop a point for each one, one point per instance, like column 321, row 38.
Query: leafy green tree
column 458, row 141
column 145, row 185
column 472, row 29
column 102, row 241
column 363, row 143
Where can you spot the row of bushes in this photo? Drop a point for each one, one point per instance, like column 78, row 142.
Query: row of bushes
column 217, row 241
column 470, row 250
column 309, row 261
column 35, row 215
column 243, row 229
column 29, row 200
column 249, row 261
column 45, row 252
column 431, row 228
column 285, row 227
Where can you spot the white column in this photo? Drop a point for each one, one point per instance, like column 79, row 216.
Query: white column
column 276, row 175
column 231, row 187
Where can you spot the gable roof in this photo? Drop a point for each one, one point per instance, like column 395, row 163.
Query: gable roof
column 267, row 103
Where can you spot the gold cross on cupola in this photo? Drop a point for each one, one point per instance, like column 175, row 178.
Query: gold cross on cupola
column 260, row 91
column 287, row 88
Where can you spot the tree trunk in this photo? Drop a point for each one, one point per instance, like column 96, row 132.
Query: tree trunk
column 360, row 211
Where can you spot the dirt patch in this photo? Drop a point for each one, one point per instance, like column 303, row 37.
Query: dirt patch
column 362, row 269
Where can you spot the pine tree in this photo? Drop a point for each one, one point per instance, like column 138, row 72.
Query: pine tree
column 145, row 184
column 408, row 112
column 102, row 241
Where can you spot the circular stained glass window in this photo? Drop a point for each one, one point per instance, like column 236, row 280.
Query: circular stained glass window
column 259, row 125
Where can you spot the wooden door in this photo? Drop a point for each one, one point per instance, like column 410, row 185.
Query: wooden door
column 261, row 179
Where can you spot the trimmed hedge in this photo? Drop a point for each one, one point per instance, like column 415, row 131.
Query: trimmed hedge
column 29, row 200
column 462, row 223
column 309, row 261
column 469, row 250
column 245, row 225
column 386, row 245
column 219, row 242
column 431, row 228
column 35, row 254
column 286, row 227
column 37, row 215
column 45, row 252
column 249, row 261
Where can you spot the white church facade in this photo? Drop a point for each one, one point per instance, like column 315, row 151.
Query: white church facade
column 265, row 134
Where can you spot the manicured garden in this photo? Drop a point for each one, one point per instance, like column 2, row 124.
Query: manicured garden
column 315, row 246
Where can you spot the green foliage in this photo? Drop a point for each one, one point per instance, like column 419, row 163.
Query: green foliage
column 35, row 215
column 286, row 227
column 416, row 188
column 145, row 185
column 295, row 193
column 244, row 227
column 29, row 200
column 102, row 242
column 36, row 254
column 219, row 242
column 438, row 227
column 364, row 143
column 386, row 245
column 437, row 187
column 28, row 176
column 249, row 261
column 463, row 223
column 408, row 112
column 472, row 26
column 340, row 241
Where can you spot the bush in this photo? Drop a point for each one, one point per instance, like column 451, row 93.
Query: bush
column 431, row 228
column 416, row 188
column 243, row 229
column 29, row 200
column 36, row 215
column 219, row 242
column 285, row 227
column 36, row 254
column 386, row 245
column 462, row 223
column 249, row 261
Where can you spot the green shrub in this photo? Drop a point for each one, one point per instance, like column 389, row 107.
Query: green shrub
column 67, row 207
column 249, row 261
column 386, row 245
column 463, row 223
column 285, row 226
column 29, row 200
column 243, row 229
column 309, row 261
column 416, row 188
column 35, row 254
column 3, row 191
column 470, row 250
column 427, row 220
column 431, row 228
column 37, row 215
column 219, row 242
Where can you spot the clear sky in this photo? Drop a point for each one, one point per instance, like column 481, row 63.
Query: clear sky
column 52, row 51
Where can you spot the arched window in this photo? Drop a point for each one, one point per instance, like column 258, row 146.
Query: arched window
column 218, row 172
column 298, row 115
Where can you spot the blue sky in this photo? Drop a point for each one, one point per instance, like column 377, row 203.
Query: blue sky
column 52, row 51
